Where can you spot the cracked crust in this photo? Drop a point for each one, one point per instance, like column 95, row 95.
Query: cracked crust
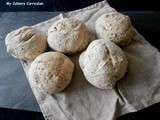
column 68, row 36
column 103, row 63
column 26, row 43
column 51, row 72
column 115, row 27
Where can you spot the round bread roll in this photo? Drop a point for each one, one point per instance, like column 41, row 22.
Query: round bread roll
column 26, row 43
column 103, row 63
column 115, row 27
column 51, row 72
column 68, row 36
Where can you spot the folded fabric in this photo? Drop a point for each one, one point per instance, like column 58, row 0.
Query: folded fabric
column 81, row 101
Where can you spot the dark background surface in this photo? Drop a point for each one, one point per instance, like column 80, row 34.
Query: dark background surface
column 145, row 17
column 68, row 5
column 150, row 113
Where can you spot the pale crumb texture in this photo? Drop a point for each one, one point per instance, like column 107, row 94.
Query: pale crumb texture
column 68, row 36
column 51, row 72
column 103, row 63
column 26, row 43
column 115, row 27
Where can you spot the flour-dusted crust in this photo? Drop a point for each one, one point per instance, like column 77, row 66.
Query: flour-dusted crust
column 26, row 43
column 103, row 63
column 68, row 36
column 51, row 72
column 115, row 27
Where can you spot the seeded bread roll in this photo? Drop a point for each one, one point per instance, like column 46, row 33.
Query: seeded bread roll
column 51, row 72
column 26, row 43
column 103, row 63
column 68, row 36
column 115, row 27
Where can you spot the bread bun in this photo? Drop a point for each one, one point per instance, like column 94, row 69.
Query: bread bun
column 68, row 36
column 115, row 27
column 51, row 72
column 26, row 43
column 103, row 63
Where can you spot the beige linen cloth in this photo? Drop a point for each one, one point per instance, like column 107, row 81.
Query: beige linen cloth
column 81, row 101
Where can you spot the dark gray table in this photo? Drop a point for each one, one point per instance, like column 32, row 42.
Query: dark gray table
column 15, row 91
